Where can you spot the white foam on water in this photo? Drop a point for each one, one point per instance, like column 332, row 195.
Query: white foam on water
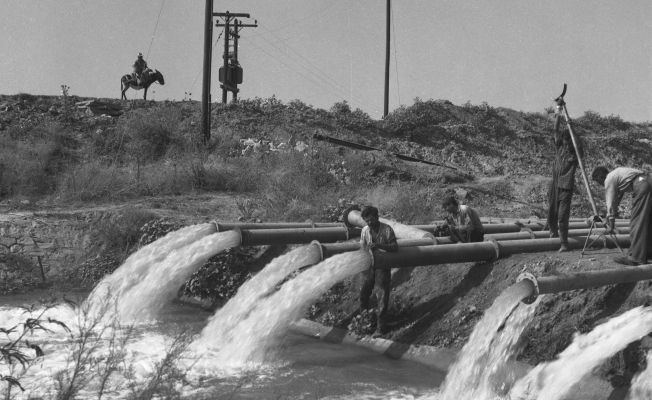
column 552, row 380
column 255, row 339
column 481, row 370
column 163, row 279
column 641, row 387
column 138, row 266
column 219, row 327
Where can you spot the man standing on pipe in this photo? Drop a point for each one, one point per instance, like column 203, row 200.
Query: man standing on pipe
column 560, row 191
column 377, row 236
column 616, row 183
column 463, row 221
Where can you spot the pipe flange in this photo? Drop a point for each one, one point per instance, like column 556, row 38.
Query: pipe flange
column 530, row 231
column 345, row 215
column 217, row 225
column 243, row 236
column 496, row 245
column 320, row 248
column 526, row 276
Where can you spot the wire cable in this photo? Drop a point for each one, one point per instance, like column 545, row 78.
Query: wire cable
column 155, row 28
column 314, row 80
column 310, row 67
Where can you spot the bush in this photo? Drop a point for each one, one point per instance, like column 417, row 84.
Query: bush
column 119, row 233
column 30, row 166
column 151, row 135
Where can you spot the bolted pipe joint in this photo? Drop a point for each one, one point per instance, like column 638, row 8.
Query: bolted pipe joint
column 532, row 282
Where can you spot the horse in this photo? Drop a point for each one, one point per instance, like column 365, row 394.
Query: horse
column 147, row 78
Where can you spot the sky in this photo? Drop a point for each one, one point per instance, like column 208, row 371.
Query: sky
column 508, row 53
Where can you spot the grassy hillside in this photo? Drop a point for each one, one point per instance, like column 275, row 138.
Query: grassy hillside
column 52, row 153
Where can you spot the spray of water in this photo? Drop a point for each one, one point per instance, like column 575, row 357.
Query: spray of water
column 254, row 339
column 552, row 380
column 162, row 280
column 404, row 231
column 482, row 370
column 136, row 268
column 220, row 325
column 641, row 388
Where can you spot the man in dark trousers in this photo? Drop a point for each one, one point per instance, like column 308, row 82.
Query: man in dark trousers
column 561, row 188
column 376, row 236
column 616, row 183
column 463, row 222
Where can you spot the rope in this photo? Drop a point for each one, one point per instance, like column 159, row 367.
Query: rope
column 398, row 87
column 155, row 28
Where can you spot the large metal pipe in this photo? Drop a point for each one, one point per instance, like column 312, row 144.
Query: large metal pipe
column 336, row 248
column 257, row 237
column 254, row 237
column 584, row 280
column 468, row 252
column 229, row 226
column 353, row 218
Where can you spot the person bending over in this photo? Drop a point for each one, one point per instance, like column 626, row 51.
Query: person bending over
column 616, row 183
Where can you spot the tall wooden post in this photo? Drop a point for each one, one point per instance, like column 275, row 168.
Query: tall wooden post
column 227, row 23
column 236, row 36
column 206, row 82
column 387, row 50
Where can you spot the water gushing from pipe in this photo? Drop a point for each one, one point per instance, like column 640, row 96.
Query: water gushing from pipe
column 138, row 265
column 552, row 380
column 641, row 388
column 256, row 337
column 481, row 370
column 219, row 327
column 158, row 280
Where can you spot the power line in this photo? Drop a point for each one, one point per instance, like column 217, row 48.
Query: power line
column 307, row 77
column 155, row 28
column 311, row 67
column 292, row 24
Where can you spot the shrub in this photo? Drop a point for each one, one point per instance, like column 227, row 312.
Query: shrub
column 151, row 135
column 119, row 233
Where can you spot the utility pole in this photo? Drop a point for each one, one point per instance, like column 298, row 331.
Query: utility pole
column 236, row 36
column 387, row 49
column 206, row 82
column 231, row 71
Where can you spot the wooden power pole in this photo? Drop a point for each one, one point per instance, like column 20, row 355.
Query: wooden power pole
column 206, row 82
column 231, row 73
column 387, row 50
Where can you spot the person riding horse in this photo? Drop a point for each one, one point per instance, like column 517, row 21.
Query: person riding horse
column 140, row 65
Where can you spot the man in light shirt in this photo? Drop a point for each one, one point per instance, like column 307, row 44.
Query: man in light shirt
column 616, row 184
column 377, row 236
column 463, row 221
